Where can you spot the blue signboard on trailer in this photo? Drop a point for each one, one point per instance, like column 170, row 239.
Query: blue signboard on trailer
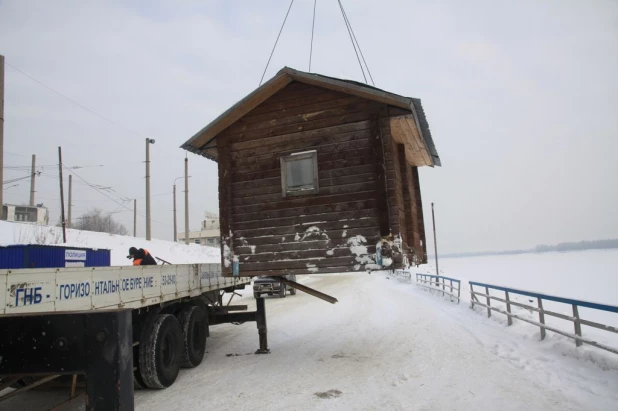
column 51, row 256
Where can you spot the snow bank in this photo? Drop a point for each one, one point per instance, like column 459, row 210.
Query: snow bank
column 175, row 253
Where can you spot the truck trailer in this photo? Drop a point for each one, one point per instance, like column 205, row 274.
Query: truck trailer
column 120, row 327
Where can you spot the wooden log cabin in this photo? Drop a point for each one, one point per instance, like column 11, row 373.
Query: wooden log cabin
column 319, row 175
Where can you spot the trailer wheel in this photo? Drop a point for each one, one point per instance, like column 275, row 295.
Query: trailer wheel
column 282, row 291
column 193, row 325
column 256, row 295
column 292, row 291
column 160, row 352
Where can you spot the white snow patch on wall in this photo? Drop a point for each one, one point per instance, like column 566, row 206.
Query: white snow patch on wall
column 356, row 245
column 345, row 233
column 297, row 237
column 312, row 267
column 252, row 249
column 330, row 252
column 226, row 256
column 386, row 262
column 372, row 267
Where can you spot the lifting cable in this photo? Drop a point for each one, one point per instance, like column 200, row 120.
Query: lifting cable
column 353, row 39
column 312, row 30
column 276, row 41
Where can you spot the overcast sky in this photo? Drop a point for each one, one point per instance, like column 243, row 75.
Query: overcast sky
column 521, row 98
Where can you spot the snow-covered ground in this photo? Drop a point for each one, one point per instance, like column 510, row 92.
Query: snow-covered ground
column 175, row 253
column 388, row 344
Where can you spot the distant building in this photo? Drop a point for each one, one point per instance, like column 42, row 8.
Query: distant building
column 209, row 233
column 25, row 214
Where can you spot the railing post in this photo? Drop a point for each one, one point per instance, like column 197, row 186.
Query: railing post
column 541, row 318
column 578, row 326
column 458, row 291
column 509, row 320
column 488, row 302
column 443, row 286
column 471, row 295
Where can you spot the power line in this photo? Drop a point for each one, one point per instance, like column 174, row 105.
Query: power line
column 75, row 102
column 276, row 41
column 315, row 2
column 105, row 194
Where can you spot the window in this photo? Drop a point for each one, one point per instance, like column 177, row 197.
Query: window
column 299, row 174
column 28, row 214
column 197, row 241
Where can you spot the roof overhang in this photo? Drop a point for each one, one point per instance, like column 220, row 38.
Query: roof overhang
column 204, row 142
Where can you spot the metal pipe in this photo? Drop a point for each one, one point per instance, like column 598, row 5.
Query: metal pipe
column 435, row 240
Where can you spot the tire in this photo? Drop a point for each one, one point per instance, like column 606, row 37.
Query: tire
column 292, row 291
column 160, row 352
column 193, row 325
column 256, row 295
column 282, row 291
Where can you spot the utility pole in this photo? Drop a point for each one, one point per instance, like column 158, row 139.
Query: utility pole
column 435, row 241
column 149, row 141
column 186, row 200
column 134, row 217
column 69, row 221
column 1, row 130
column 32, row 176
column 175, row 227
column 64, row 223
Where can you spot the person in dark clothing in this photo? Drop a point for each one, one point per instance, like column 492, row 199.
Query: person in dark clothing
column 141, row 256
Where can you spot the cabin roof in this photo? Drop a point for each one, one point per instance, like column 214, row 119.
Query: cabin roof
column 204, row 141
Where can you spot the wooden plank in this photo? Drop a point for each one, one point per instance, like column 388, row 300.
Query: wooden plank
column 247, row 105
column 305, row 210
column 324, row 166
column 326, row 182
column 303, row 144
column 413, row 217
column 309, row 120
column 302, row 271
column 336, row 237
column 278, row 106
column 324, row 191
column 298, row 254
column 419, row 213
column 301, row 228
column 295, row 202
column 323, row 159
column 287, row 247
column 380, row 186
column 290, row 265
column 330, row 146
column 323, row 175
column 306, row 127
column 225, row 203
column 304, row 219
column 292, row 111
column 348, row 127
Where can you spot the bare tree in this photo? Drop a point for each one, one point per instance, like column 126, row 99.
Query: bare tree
column 96, row 220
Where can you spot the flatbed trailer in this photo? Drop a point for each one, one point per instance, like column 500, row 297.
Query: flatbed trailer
column 119, row 326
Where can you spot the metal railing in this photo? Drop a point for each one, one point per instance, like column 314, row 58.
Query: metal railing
column 575, row 304
column 434, row 282
column 403, row 275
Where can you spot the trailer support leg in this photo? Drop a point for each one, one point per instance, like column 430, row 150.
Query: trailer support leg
column 260, row 319
column 109, row 372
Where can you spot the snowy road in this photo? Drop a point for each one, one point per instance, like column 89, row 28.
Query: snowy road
column 385, row 345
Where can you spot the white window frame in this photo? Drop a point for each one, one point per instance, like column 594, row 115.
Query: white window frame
column 285, row 190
